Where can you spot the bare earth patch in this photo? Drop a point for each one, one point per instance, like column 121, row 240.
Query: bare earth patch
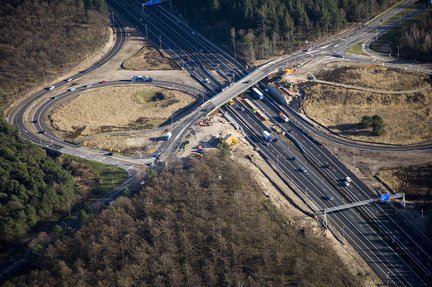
column 407, row 117
column 373, row 76
column 149, row 58
column 117, row 108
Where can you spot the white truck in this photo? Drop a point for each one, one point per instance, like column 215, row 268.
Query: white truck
column 167, row 136
column 268, row 137
column 258, row 92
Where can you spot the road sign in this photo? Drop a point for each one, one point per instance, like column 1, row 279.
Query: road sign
column 385, row 197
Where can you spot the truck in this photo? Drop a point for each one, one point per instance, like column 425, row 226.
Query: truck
column 258, row 92
column 167, row 136
column 283, row 117
column 141, row 79
column 268, row 137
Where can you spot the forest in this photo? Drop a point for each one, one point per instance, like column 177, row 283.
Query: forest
column 40, row 38
column 205, row 223
column 415, row 41
column 32, row 185
column 256, row 29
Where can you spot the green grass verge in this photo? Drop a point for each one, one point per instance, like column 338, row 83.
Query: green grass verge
column 356, row 49
column 106, row 177
column 145, row 96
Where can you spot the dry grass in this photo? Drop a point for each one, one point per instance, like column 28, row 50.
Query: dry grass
column 376, row 77
column 117, row 108
column 149, row 58
column 407, row 117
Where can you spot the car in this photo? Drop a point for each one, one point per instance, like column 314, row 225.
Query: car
column 102, row 82
column 33, row 121
column 326, row 165
column 53, row 98
column 89, row 86
column 348, row 179
column 242, row 109
column 328, row 197
column 193, row 33
column 345, row 183
column 303, row 169
column 109, row 154
column 41, row 132
column 50, row 88
column 157, row 155
column 246, row 82
column 68, row 80
column 207, row 80
column 71, row 89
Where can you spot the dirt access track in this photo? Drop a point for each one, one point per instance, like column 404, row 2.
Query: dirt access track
column 407, row 113
column 117, row 108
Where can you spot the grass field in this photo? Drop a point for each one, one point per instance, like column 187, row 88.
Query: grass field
column 356, row 49
column 408, row 117
column 375, row 77
column 117, row 109
column 94, row 179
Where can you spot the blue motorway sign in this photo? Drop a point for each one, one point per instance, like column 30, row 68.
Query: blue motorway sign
column 152, row 2
column 385, row 197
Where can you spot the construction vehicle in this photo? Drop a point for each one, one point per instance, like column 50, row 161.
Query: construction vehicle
column 290, row 71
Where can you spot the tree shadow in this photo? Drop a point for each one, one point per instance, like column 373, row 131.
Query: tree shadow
column 351, row 130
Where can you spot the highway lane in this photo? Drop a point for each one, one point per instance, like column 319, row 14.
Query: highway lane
column 405, row 239
column 169, row 146
column 361, row 236
column 239, row 87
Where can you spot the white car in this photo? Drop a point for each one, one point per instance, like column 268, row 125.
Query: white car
column 207, row 80
column 51, row 88
column 348, row 179
column 71, row 89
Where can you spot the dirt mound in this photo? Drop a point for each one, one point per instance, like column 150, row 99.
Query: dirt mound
column 376, row 77
column 149, row 58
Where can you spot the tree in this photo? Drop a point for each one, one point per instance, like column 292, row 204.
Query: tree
column 224, row 149
column 377, row 125
column 366, row 122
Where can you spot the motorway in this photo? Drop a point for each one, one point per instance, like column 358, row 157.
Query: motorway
column 395, row 251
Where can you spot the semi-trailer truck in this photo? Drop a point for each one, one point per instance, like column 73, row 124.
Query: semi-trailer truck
column 267, row 136
column 283, row 117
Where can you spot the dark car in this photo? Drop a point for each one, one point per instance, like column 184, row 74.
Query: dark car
column 109, row 154
column 328, row 197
